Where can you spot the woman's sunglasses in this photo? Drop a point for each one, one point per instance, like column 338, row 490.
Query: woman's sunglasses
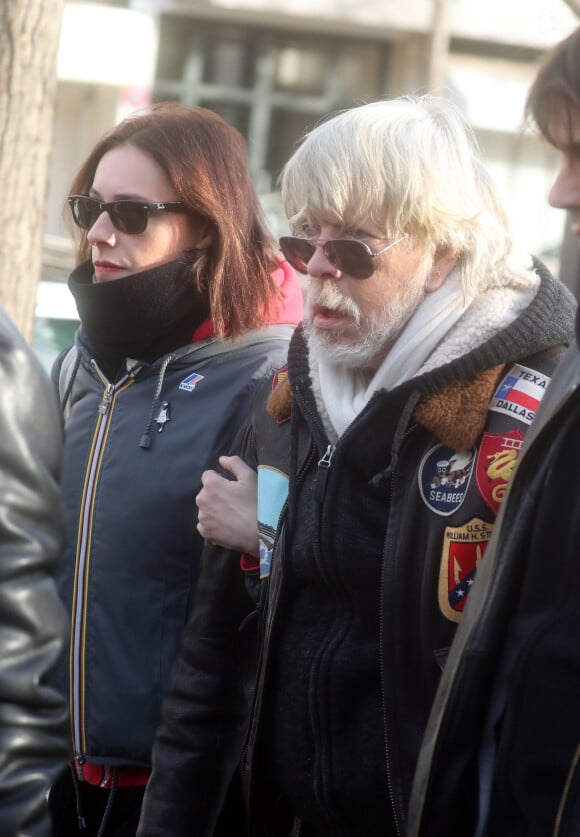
column 347, row 254
column 129, row 217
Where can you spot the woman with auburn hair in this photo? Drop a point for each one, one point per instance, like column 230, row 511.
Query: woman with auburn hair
column 185, row 309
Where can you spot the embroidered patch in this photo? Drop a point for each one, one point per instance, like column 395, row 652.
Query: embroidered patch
column 520, row 392
column 496, row 460
column 463, row 549
column 188, row 384
column 280, row 376
column 279, row 404
column 444, row 476
column 272, row 494
column 265, row 552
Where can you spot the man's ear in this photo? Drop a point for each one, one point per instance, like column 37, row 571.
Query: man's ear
column 443, row 264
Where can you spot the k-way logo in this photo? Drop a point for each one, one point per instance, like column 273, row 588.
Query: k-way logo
column 520, row 393
column 188, row 384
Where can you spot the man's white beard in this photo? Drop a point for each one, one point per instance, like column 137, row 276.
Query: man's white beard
column 377, row 333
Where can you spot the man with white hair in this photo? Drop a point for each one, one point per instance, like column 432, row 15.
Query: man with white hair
column 427, row 339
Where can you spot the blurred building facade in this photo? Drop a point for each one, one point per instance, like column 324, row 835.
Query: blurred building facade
column 275, row 67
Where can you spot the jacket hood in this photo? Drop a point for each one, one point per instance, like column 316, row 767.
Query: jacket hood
column 451, row 399
column 547, row 321
column 289, row 310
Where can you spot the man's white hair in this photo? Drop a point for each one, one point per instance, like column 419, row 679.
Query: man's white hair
column 410, row 165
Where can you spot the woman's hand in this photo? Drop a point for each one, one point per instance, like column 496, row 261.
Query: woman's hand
column 228, row 508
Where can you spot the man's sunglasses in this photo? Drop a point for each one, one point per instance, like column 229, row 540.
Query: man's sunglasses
column 129, row 217
column 347, row 254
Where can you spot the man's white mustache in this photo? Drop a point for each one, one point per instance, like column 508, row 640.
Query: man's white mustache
column 330, row 298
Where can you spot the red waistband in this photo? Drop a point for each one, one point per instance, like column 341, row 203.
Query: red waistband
column 101, row 775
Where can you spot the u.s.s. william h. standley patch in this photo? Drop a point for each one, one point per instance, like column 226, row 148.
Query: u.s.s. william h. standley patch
column 463, row 548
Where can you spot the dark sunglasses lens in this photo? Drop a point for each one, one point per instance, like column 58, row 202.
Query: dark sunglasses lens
column 85, row 212
column 129, row 217
column 298, row 252
column 350, row 257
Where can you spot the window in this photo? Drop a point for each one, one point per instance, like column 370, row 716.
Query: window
column 271, row 85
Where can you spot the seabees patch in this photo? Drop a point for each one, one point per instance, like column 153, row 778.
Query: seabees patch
column 444, row 476
column 463, row 548
column 498, row 453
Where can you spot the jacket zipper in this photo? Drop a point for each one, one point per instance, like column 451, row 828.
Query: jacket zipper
column 322, row 475
column 394, row 805
column 325, row 796
column 265, row 630
column 267, row 614
column 83, row 556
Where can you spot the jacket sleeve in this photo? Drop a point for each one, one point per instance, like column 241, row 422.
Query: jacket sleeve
column 33, row 626
column 204, row 715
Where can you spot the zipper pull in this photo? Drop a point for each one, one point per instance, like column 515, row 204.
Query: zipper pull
column 77, row 768
column 106, row 399
column 322, row 475
column 80, row 760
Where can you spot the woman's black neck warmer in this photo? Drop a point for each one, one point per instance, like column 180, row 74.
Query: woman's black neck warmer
column 142, row 316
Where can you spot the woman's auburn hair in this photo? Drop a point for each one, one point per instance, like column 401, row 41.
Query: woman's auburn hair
column 205, row 160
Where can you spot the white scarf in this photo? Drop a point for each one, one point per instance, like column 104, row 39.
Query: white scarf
column 342, row 392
